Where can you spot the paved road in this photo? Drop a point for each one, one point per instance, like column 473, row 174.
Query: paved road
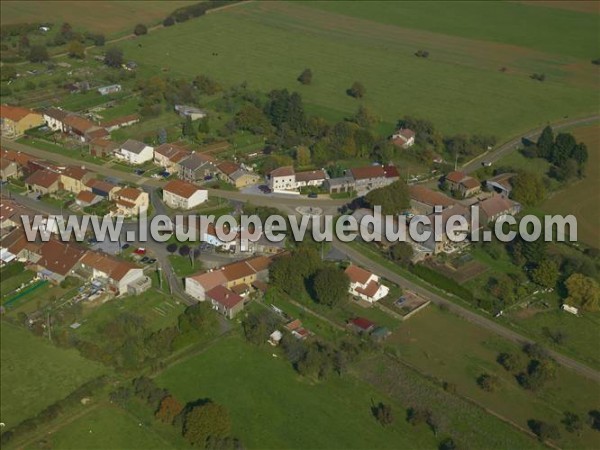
column 515, row 143
column 290, row 202
column 501, row 330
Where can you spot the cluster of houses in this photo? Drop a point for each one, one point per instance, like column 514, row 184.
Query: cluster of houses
column 55, row 260
column 45, row 178
column 360, row 179
column 229, row 287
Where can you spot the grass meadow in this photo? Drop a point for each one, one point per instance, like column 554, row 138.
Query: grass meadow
column 460, row 87
column 272, row 407
column 449, row 348
column 581, row 198
column 35, row 373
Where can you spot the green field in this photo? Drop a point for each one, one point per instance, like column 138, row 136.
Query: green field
column 271, row 407
column 107, row 427
column 110, row 17
column 581, row 198
column 451, row 349
column 268, row 44
column 35, row 373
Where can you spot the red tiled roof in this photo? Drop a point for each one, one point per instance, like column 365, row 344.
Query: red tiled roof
column 86, row 196
column 361, row 173
column 228, row 167
column 429, row 197
column 224, row 296
column 455, row 177
column 358, row 274
column 210, row 279
column 237, row 271
column 130, row 193
column 470, row 183
column 181, row 188
column 172, row 152
column 22, row 159
column 370, row 289
column 43, row 178
column 391, row 172
column 121, row 120
column 78, row 123
column 113, row 267
column 362, row 323
column 311, row 175
column 59, row 257
column 285, row 171
column 14, row 113
column 75, row 172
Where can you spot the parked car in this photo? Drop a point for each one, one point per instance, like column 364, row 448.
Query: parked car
column 139, row 171
column 312, row 195
column 486, row 163
column 140, row 251
column 151, row 260
column 145, row 259
column 125, row 246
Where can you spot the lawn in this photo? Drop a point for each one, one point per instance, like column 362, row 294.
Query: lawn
column 10, row 282
column 581, row 198
column 35, row 373
column 451, row 349
column 274, row 41
column 182, row 265
column 108, row 427
column 124, row 15
column 272, row 407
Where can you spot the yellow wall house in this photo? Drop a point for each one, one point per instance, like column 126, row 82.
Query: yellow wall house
column 15, row 120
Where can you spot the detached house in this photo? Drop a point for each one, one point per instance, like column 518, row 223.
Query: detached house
column 129, row 202
column 169, row 156
column 365, row 285
column 462, row 183
column 120, row 277
column 197, row 167
column 43, row 182
column 282, row 179
column 15, row 121
column 179, row 194
column 404, row 138
column 135, row 152
column 55, row 117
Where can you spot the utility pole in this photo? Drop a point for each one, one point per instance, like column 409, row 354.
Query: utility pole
column 48, row 325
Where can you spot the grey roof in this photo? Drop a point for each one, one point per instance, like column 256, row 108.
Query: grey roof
column 239, row 173
column 194, row 162
column 133, row 146
column 340, row 181
column 56, row 113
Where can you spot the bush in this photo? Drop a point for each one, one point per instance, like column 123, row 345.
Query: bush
column 543, row 430
column 172, row 248
column 422, row 54
column 140, row 29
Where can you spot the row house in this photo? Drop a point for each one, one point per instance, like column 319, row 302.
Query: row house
column 169, row 156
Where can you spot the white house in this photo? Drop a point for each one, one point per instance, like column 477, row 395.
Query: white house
column 117, row 275
column 311, row 178
column 365, row 285
column 135, row 152
column 196, row 286
column 54, row 118
column 404, row 138
column 179, row 194
column 282, row 179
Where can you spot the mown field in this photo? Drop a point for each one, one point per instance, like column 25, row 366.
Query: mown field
column 35, row 373
column 460, row 87
column 110, row 17
column 272, row 407
column 451, row 349
column 581, row 198
column 107, row 427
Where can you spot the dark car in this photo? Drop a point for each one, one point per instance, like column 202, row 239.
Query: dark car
column 139, row 171
column 208, row 177
column 164, row 174
column 151, row 260
column 125, row 246
column 312, row 195
column 145, row 259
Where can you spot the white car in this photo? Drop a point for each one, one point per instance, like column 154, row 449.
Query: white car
column 486, row 163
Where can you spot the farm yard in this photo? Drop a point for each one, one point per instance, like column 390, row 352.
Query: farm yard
column 35, row 373
column 381, row 56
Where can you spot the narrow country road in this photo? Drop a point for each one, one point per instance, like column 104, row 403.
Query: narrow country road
column 515, row 143
column 501, row 330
